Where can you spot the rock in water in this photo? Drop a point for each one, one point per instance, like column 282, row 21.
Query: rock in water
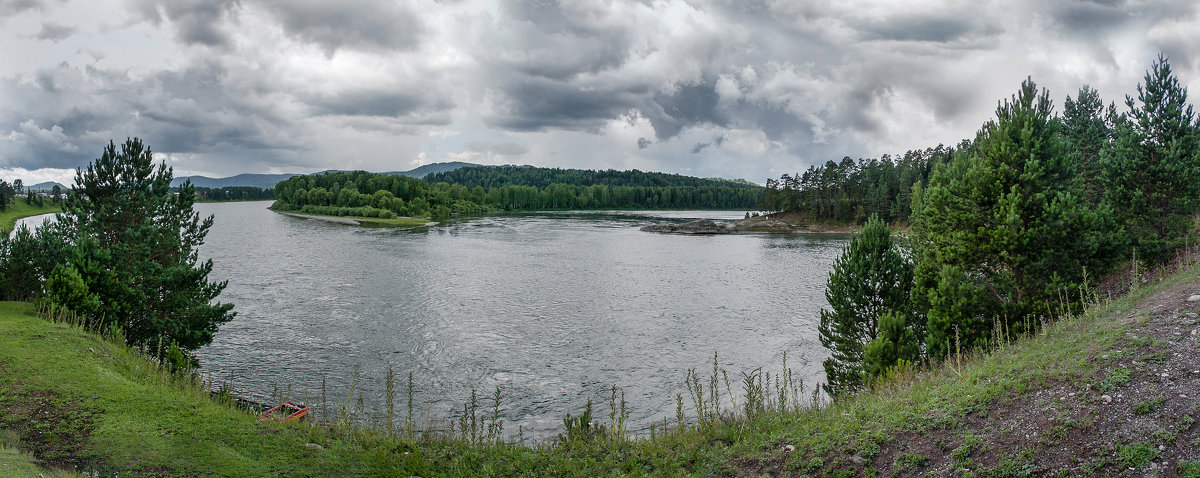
column 699, row 226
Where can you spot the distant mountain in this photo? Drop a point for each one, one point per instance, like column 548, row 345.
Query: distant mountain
column 269, row 180
column 434, row 168
column 252, row 180
column 46, row 187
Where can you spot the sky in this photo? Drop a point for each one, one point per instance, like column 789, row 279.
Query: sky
column 745, row 89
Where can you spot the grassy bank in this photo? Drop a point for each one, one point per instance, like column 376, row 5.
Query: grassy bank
column 1109, row 390
column 363, row 221
column 18, row 209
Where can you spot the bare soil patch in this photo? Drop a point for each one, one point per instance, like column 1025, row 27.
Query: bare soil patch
column 48, row 427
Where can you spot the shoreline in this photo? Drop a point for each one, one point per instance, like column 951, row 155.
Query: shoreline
column 16, row 212
column 754, row 225
column 361, row 221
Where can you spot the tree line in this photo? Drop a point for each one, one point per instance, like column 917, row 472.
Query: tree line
column 1007, row 232
column 10, row 192
column 234, row 193
column 476, row 190
column 498, row 176
column 852, row 190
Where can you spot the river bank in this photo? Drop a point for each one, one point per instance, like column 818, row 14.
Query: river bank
column 1113, row 391
column 18, row 209
column 363, row 221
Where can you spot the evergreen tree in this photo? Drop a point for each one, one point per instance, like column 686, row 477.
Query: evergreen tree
column 7, row 193
column 897, row 344
column 136, row 250
column 1152, row 173
column 1087, row 130
column 1003, row 230
column 28, row 258
column 870, row 278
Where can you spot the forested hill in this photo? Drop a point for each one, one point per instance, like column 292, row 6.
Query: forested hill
column 366, row 194
column 500, row 176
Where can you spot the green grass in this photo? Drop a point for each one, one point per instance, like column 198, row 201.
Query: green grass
column 1148, row 406
column 109, row 409
column 911, row 461
column 17, row 209
column 1116, row 378
column 1138, row 454
column 1188, row 469
column 15, row 464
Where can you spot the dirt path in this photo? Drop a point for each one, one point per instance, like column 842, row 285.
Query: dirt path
column 1136, row 416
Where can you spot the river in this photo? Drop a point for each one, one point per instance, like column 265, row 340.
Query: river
column 552, row 308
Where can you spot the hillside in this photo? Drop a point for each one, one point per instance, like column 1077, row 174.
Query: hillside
column 500, row 176
column 269, row 180
column 46, row 187
column 1112, row 392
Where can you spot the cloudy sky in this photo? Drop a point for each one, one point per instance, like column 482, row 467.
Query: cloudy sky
column 731, row 88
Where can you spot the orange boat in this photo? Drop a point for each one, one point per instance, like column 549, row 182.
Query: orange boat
column 285, row 412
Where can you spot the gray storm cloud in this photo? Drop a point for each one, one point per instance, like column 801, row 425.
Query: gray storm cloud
column 711, row 87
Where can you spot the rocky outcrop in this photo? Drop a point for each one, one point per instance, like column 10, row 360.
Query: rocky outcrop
column 757, row 224
column 699, row 226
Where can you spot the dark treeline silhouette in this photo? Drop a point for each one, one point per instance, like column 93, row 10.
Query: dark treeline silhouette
column 7, row 193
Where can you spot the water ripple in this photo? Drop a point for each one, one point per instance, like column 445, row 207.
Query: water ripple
column 553, row 308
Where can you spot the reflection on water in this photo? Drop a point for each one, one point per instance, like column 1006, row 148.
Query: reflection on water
column 553, row 308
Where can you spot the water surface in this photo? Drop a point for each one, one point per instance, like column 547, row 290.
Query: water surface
column 553, row 308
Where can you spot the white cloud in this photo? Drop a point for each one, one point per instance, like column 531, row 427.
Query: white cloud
column 29, row 177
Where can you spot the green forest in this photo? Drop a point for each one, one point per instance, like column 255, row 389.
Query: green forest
column 234, row 193
column 851, row 190
column 1007, row 232
column 478, row 190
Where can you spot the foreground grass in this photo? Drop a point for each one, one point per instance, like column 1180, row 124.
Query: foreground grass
column 76, row 400
column 15, row 464
column 18, row 209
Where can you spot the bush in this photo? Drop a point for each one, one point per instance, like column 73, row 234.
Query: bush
column 66, row 290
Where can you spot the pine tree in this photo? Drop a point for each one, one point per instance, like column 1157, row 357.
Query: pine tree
column 136, row 250
column 1087, row 132
column 870, row 278
column 1003, row 230
column 897, row 344
column 1152, row 172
